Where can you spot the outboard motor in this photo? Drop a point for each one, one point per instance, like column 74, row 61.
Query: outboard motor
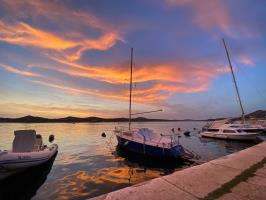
column 38, row 141
column 51, row 138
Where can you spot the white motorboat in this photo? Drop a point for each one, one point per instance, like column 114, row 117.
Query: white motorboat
column 28, row 151
column 226, row 129
column 261, row 123
column 246, row 127
column 229, row 131
column 249, row 128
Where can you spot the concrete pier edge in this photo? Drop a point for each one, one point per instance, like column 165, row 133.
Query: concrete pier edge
column 211, row 180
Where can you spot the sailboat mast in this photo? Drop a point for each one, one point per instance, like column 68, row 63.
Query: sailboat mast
column 130, row 93
column 234, row 79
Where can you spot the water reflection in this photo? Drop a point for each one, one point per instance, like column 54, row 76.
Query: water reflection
column 163, row 165
column 88, row 165
column 25, row 184
column 230, row 145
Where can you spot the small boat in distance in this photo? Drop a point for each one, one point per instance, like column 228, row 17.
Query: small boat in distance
column 249, row 128
column 230, row 131
column 144, row 140
column 226, row 129
column 28, row 151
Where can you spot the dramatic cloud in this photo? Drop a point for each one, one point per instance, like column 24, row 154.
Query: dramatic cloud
column 154, row 83
column 69, row 38
column 79, row 51
column 24, row 34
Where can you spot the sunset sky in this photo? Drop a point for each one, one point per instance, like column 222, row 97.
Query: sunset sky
column 71, row 57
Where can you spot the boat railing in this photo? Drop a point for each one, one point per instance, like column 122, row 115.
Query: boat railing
column 124, row 128
column 173, row 137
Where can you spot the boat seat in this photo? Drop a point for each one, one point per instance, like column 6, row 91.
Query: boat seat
column 24, row 140
column 38, row 143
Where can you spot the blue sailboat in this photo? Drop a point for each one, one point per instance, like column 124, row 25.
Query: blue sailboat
column 145, row 141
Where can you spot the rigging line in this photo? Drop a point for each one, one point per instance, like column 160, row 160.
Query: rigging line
column 234, row 79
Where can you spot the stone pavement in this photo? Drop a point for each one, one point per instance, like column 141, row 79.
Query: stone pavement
column 253, row 188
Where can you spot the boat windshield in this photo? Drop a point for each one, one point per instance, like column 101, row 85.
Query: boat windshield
column 213, row 130
column 235, row 126
column 228, row 131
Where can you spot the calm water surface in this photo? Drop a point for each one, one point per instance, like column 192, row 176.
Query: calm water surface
column 88, row 165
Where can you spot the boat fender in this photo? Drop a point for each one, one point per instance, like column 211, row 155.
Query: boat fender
column 51, row 138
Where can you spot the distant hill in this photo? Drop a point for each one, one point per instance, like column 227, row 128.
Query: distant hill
column 70, row 119
column 259, row 114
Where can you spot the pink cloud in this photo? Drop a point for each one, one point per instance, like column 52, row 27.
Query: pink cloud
column 246, row 60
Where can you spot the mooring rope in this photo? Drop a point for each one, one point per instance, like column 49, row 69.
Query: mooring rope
column 191, row 154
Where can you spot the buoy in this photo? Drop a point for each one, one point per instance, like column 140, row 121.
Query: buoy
column 187, row 133
column 103, row 134
column 51, row 138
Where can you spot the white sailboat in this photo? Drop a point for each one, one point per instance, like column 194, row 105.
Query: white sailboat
column 226, row 129
column 145, row 141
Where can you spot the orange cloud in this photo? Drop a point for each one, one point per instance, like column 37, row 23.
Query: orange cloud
column 176, row 72
column 103, row 43
column 26, row 35
column 18, row 71
column 155, row 86
column 70, row 38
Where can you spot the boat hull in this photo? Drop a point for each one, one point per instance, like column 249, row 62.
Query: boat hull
column 259, row 130
column 231, row 137
column 144, row 149
column 12, row 163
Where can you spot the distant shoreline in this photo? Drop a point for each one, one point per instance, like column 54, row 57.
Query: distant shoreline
column 32, row 119
column 259, row 114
